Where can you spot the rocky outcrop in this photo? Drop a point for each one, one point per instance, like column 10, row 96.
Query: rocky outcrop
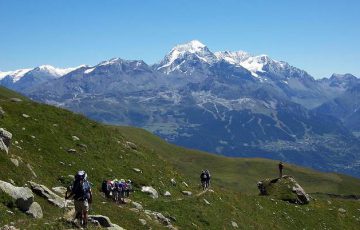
column 159, row 217
column 5, row 140
column 60, row 190
column 285, row 188
column 151, row 191
column 22, row 196
column 43, row 191
column 130, row 145
column 105, row 222
column 35, row 211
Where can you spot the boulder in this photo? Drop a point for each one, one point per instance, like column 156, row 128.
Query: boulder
column 15, row 99
column 25, row 115
column 137, row 205
column 151, row 191
column 5, row 140
column 167, row 193
column 75, row 138
column 143, row 221
column 137, row 170
column 234, row 224
column 60, row 190
column 43, row 191
column 285, row 188
column 131, row 145
column 341, row 210
column 187, row 193
column 104, row 221
column 22, row 196
column 35, row 211
column 71, row 150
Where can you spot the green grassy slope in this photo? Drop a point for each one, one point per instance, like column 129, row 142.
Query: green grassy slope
column 42, row 140
column 241, row 174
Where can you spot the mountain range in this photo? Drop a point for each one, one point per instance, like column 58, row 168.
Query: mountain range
column 230, row 103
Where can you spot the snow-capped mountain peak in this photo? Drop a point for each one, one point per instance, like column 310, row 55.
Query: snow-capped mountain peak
column 193, row 46
column 49, row 70
column 15, row 75
column 193, row 51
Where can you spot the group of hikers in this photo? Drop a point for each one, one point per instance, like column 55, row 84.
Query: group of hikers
column 80, row 191
column 117, row 189
column 205, row 178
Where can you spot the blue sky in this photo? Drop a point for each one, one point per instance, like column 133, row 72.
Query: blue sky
column 321, row 37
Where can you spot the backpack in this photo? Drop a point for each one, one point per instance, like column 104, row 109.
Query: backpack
column 82, row 192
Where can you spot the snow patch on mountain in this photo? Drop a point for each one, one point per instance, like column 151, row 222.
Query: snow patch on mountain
column 15, row 75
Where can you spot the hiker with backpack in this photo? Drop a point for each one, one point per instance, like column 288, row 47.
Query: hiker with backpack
column 207, row 180
column 82, row 195
column 128, row 188
column 203, row 178
column 281, row 167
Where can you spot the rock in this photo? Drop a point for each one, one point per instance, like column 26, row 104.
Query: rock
column 151, row 191
column 104, row 221
column 341, row 210
column 162, row 218
column 187, row 193
column 25, row 115
column 31, row 170
column 12, row 181
column 206, row 202
column 75, row 138
column 15, row 99
column 167, row 193
column 15, row 161
column 82, row 145
column 43, row 191
column 8, row 227
column 142, row 221
column 286, row 189
column 35, row 211
column 137, row 205
column 71, row 150
column 5, row 140
column 184, row 183
column 173, row 182
column 137, row 170
column 2, row 112
column 23, row 196
column 131, row 145
column 60, row 190
column 234, row 224
column 134, row 210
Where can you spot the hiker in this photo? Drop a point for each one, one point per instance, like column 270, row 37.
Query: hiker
column 81, row 193
column 203, row 178
column 128, row 188
column 208, row 177
column 281, row 167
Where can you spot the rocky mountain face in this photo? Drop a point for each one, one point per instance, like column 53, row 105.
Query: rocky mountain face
column 231, row 103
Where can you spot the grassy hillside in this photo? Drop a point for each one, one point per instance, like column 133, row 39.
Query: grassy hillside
column 240, row 174
column 42, row 141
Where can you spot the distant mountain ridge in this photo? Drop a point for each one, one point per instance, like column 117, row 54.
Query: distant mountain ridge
column 230, row 103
